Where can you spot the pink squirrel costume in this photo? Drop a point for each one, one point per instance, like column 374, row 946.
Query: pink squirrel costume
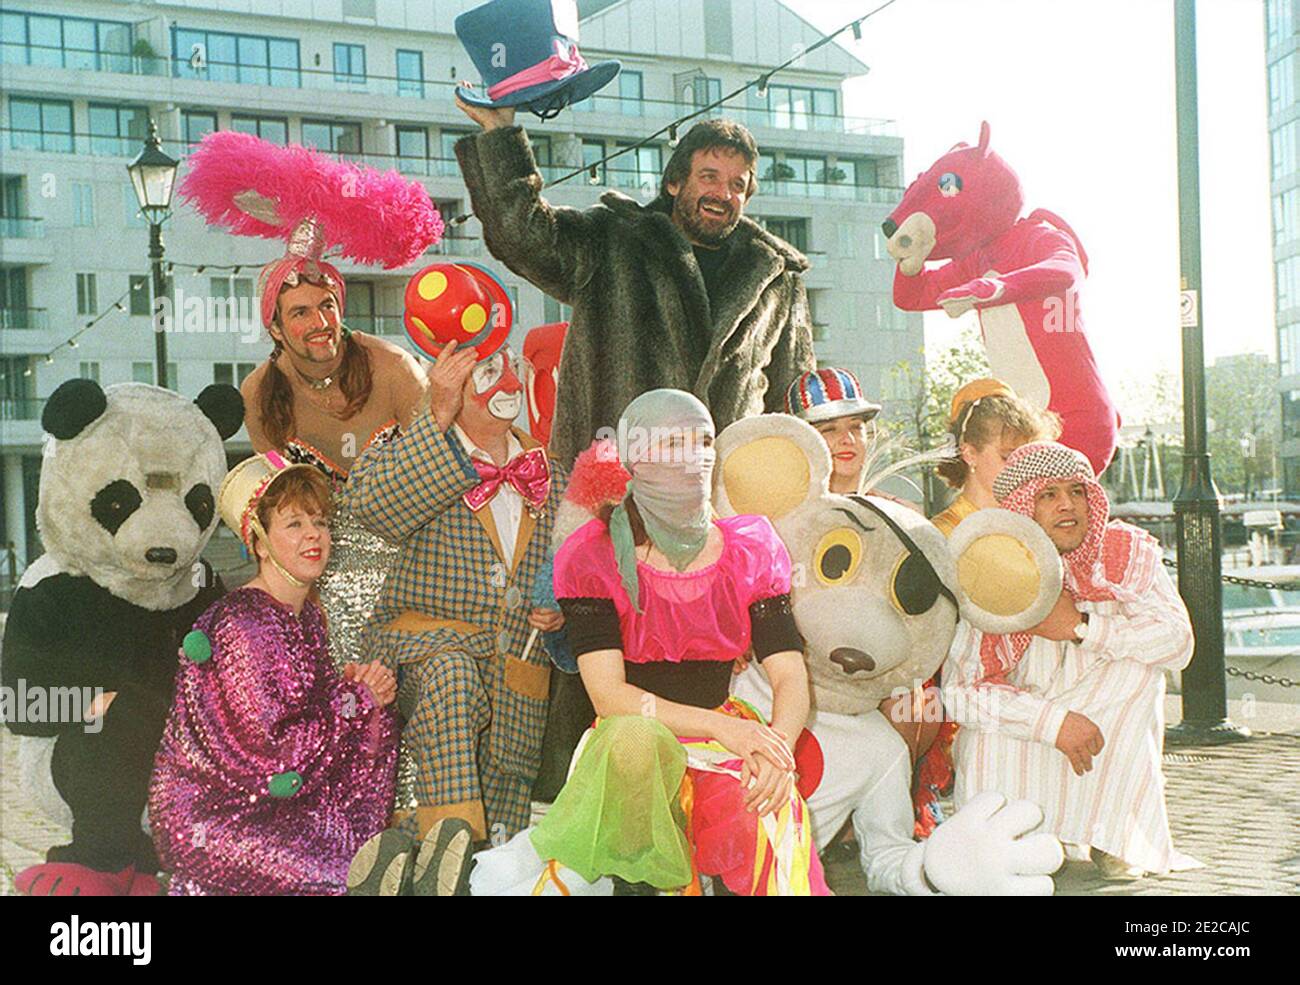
column 1021, row 275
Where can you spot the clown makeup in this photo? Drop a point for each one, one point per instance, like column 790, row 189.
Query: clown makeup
column 848, row 439
column 497, row 386
column 1061, row 509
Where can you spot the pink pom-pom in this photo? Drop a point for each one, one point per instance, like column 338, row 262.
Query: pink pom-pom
column 372, row 217
column 597, row 477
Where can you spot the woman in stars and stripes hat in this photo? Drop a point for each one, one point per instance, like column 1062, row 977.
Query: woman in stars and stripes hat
column 831, row 400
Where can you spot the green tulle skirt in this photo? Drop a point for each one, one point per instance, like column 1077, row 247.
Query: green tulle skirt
column 619, row 814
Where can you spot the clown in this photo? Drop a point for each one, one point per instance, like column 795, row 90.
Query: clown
column 470, row 500
column 1022, row 277
column 326, row 392
column 1070, row 713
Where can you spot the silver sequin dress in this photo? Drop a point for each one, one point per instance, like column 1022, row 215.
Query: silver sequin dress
column 359, row 560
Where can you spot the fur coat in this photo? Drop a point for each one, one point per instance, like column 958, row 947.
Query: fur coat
column 641, row 316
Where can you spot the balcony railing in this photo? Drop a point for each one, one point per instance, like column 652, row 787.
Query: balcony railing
column 456, row 246
column 288, row 76
column 21, row 227
column 24, row 318
column 21, row 408
column 840, row 191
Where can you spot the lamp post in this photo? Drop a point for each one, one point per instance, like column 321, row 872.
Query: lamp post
column 153, row 175
column 1196, row 507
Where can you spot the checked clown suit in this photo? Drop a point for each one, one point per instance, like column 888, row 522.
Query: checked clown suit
column 452, row 619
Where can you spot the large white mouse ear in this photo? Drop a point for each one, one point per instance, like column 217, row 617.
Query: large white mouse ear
column 769, row 464
column 1008, row 568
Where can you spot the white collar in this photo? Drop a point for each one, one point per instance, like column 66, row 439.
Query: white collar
column 513, row 447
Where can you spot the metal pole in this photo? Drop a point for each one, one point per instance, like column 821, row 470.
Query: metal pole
column 1196, row 507
column 159, row 305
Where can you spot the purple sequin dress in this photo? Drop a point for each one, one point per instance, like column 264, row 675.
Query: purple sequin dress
column 273, row 769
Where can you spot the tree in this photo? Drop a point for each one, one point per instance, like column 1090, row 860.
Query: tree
column 926, row 390
column 1242, row 401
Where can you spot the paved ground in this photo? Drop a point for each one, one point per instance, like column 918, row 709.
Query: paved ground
column 1233, row 807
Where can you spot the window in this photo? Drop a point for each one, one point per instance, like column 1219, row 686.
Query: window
column 349, row 64
column 807, row 170
column 86, row 294
column 232, row 374
column 593, row 151
column 1284, row 150
column 410, row 73
column 14, row 312
column 140, row 294
column 447, row 158
column 801, row 108
column 196, row 125
column 413, row 149
column 338, row 138
column 637, row 169
column 232, row 307
column 701, row 91
column 223, row 57
column 272, row 128
column 717, row 27
column 40, row 124
column 88, row 371
column 1288, row 282
column 793, row 231
column 629, row 88
column 1281, row 84
column 117, row 131
column 65, row 42
column 83, row 203
column 144, row 373
column 553, row 311
column 1280, row 25
column 1286, row 216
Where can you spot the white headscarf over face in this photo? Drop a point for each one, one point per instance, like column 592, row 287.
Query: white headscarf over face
column 665, row 442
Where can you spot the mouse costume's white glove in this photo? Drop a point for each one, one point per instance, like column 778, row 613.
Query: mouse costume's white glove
column 986, row 849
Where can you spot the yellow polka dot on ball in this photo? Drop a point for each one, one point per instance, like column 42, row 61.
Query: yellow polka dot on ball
column 432, row 284
column 473, row 318
column 998, row 574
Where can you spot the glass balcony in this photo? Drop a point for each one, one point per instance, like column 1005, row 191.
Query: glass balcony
column 831, row 190
column 456, row 246
column 35, row 318
column 21, row 227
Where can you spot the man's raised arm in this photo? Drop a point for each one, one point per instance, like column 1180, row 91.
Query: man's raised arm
column 548, row 246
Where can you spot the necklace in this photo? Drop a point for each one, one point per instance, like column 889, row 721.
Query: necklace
column 324, row 383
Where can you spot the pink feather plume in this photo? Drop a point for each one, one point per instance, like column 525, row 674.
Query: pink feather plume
column 597, row 477
column 371, row 216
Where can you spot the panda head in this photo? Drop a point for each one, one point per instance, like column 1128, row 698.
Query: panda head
column 128, row 485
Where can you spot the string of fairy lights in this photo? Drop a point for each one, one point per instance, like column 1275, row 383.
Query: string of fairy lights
column 592, row 169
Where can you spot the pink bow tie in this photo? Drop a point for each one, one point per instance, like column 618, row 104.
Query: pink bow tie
column 529, row 473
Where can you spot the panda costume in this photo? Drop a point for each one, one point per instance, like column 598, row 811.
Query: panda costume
column 126, row 506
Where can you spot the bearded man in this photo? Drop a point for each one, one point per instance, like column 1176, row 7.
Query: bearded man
column 685, row 292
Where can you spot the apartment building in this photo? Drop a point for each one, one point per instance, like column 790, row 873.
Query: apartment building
column 372, row 81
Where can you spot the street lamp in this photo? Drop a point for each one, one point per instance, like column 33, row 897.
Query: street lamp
column 1196, row 507
column 153, row 175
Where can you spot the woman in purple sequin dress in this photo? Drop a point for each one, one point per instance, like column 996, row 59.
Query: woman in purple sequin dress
column 274, row 767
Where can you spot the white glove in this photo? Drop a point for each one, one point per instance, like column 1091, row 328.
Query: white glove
column 985, row 849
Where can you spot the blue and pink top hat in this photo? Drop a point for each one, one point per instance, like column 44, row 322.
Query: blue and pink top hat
column 824, row 394
column 526, row 52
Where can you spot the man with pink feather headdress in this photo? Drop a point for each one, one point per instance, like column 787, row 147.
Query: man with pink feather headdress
column 1070, row 714
column 326, row 392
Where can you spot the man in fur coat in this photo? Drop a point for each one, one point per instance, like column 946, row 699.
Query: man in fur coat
column 684, row 292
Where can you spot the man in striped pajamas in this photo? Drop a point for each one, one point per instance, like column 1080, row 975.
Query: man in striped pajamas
column 1070, row 715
